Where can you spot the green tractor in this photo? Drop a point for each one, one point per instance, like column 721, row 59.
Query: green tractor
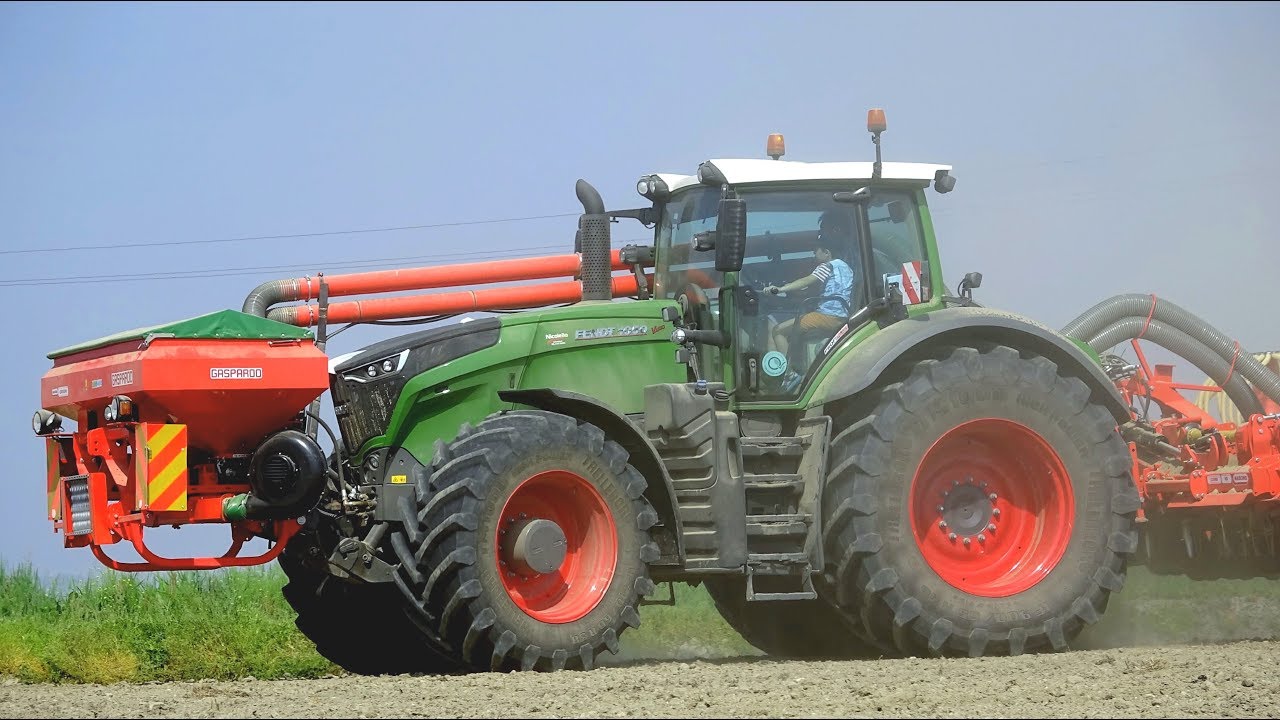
column 792, row 411
column 920, row 476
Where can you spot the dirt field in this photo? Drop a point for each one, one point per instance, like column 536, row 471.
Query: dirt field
column 1231, row 680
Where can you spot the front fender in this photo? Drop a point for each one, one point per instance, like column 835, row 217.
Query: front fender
column 860, row 366
column 644, row 457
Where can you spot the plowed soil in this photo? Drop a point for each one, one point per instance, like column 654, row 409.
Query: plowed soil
column 1229, row 680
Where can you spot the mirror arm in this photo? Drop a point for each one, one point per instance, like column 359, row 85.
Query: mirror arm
column 646, row 215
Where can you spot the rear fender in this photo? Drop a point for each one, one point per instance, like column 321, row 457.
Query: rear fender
column 862, row 366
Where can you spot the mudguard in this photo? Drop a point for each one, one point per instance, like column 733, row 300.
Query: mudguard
column 859, row 366
column 644, row 457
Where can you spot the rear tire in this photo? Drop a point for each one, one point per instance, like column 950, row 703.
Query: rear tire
column 786, row 628
column 459, row 574
column 974, row 424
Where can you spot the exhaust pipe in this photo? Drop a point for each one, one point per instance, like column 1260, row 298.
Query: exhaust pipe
column 594, row 242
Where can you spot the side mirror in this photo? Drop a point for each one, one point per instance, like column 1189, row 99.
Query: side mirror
column 971, row 280
column 731, row 235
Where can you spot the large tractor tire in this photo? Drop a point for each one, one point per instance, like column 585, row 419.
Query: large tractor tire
column 361, row 628
column 786, row 628
column 985, row 506
column 529, row 546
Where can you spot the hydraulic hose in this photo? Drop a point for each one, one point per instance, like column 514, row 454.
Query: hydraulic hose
column 1184, row 345
column 1095, row 321
column 267, row 294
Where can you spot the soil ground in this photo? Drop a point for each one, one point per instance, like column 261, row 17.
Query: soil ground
column 1228, row 680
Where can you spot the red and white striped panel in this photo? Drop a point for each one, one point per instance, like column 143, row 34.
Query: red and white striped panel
column 911, row 282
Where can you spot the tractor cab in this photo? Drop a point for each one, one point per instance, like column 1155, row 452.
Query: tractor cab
column 859, row 231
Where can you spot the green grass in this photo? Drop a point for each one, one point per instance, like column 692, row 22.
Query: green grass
column 170, row 627
column 235, row 623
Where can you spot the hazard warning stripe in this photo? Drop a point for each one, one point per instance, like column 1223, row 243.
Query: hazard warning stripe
column 167, row 468
column 911, row 281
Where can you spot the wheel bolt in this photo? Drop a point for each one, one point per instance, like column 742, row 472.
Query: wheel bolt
column 995, row 512
column 982, row 538
column 942, row 524
column 992, row 496
column 941, row 509
column 991, row 527
column 952, row 537
column 954, row 483
column 966, row 542
column 984, row 483
column 968, row 479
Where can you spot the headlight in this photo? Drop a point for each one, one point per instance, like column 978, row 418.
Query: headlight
column 45, row 422
column 120, row 409
column 644, row 187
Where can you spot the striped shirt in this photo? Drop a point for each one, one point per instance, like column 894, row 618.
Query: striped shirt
column 837, row 279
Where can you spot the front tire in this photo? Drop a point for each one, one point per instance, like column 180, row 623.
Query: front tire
column 360, row 627
column 530, row 544
column 985, row 506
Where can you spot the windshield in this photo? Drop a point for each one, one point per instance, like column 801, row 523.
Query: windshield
column 783, row 227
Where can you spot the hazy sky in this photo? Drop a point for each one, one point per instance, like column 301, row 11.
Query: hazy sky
column 1099, row 149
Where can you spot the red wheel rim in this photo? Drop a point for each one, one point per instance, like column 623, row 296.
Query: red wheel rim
column 992, row 507
column 591, row 546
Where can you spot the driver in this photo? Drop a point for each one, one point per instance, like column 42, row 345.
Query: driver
column 836, row 278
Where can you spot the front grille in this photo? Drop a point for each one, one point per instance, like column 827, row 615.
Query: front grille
column 77, row 489
column 364, row 402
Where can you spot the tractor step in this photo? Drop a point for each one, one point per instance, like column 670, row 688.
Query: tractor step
column 779, row 525
column 780, row 446
column 806, row 591
column 781, row 481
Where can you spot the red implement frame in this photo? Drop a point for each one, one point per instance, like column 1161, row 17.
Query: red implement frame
column 1218, row 464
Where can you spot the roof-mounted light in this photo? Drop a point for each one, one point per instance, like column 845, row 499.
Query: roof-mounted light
column 653, row 188
column 775, row 147
column 875, row 120
column 709, row 174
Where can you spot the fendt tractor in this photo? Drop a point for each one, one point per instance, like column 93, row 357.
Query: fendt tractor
column 854, row 464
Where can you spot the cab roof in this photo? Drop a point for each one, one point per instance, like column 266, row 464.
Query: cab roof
column 747, row 171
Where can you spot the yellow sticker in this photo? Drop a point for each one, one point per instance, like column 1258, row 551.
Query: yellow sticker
column 399, row 479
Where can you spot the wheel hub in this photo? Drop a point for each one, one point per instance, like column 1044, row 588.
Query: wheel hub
column 556, row 546
column 992, row 507
column 967, row 510
column 534, row 546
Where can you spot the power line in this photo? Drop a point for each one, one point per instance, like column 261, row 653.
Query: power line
column 207, row 272
column 76, row 248
column 227, row 272
column 381, row 263
column 116, row 246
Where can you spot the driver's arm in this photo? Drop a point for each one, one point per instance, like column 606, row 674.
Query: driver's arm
column 794, row 285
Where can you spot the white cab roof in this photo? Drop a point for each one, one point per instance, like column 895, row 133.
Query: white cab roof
column 739, row 172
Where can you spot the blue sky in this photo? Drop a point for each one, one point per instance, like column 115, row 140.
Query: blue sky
column 1099, row 149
